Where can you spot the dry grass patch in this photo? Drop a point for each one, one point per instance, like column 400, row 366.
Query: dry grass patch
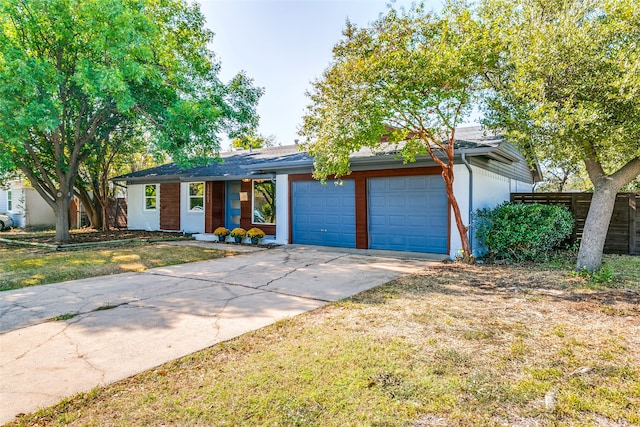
column 21, row 267
column 456, row 346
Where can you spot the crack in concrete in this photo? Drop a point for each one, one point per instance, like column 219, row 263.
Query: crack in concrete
column 103, row 373
column 37, row 346
column 261, row 287
column 212, row 282
column 270, row 282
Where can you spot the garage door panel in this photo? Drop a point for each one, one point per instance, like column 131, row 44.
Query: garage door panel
column 417, row 221
column 417, row 202
column 408, row 214
column 323, row 214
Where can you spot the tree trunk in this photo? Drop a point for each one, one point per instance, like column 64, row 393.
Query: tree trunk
column 62, row 219
column 105, row 215
column 447, row 175
column 596, row 226
column 91, row 207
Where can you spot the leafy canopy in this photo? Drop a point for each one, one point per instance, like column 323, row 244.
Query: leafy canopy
column 76, row 74
column 569, row 80
column 410, row 76
column 71, row 71
column 566, row 89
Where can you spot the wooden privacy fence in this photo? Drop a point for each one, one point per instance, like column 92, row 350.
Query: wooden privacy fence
column 117, row 213
column 623, row 236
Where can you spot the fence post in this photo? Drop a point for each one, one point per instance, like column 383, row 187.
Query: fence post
column 574, row 232
column 633, row 223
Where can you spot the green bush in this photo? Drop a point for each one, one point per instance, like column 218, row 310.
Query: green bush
column 522, row 232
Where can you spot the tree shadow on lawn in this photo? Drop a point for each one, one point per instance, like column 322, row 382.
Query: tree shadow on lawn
column 510, row 281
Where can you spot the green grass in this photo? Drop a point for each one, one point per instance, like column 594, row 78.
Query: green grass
column 456, row 345
column 617, row 271
column 21, row 267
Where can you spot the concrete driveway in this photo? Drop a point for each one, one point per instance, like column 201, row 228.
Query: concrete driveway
column 127, row 323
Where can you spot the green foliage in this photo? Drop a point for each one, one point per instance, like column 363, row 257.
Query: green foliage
column 249, row 142
column 75, row 74
column 566, row 89
column 522, row 232
column 568, row 83
column 411, row 76
column 409, row 79
column 602, row 276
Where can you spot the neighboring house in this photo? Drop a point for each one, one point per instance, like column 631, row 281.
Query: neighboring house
column 25, row 206
column 382, row 204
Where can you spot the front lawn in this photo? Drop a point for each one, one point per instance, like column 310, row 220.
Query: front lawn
column 456, row 345
column 22, row 266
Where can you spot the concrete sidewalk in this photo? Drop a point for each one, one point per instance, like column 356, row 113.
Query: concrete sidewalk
column 127, row 323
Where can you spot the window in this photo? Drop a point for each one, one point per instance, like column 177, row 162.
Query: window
column 150, row 197
column 264, row 201
column 196, row 196
column 9, row 202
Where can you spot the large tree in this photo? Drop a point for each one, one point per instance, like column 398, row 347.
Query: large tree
column 411, row 77
column 73, row 71
column 254, row 141
column 568, row 86
column 117, row 155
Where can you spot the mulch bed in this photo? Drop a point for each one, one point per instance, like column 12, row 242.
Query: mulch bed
column 92, row 236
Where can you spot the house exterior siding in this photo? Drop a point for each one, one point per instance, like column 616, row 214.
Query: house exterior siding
column 282, row 209
column 36, row 210
column 3, row 201
column 170, row 206
column 138, row 218
column 190, row 221
column 493, row 169
column 215, row 201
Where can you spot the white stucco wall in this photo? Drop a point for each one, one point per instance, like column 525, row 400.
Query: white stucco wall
column 3, row 201
column 18, row 202
column 37, row 212
column 461, row 191
column 521, row 187
column 16, row 211
column 489, row 190
column 137, row 217
column 282, row 209
column 190, row 221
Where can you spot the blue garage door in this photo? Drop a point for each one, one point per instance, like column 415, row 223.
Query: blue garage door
column 324, row 214
column 408, row 214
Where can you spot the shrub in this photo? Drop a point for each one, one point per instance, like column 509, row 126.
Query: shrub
column 255, row 233
column 522, row 232
column 238, row 233
column 221, row 232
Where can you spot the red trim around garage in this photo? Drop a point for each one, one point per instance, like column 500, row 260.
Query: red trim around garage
column 362, row 231
column 360, row 178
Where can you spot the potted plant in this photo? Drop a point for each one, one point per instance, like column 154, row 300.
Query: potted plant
column 238, row 234
column 222, row 233
column 255, row 234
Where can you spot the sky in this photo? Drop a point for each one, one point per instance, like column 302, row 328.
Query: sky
column 283, row 45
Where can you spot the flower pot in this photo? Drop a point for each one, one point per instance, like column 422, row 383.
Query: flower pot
column 238, row 239
column 255, row 240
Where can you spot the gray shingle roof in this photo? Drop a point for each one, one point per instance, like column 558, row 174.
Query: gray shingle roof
column 247, row 164
column 233, row 165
